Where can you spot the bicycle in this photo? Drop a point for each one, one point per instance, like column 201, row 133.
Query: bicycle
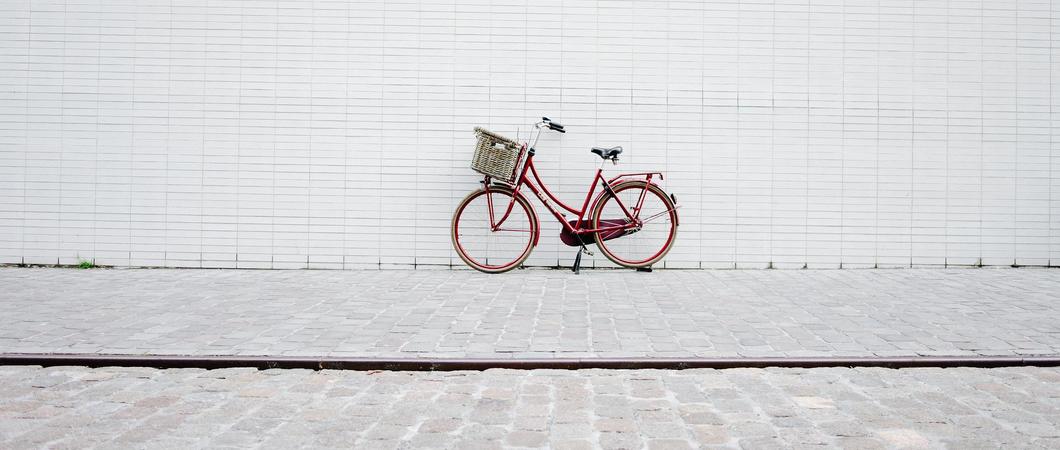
column 495, row 228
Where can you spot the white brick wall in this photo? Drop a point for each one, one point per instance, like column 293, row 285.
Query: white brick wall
column 293, row 133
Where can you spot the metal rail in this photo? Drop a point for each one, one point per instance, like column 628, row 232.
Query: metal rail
column 449, row 364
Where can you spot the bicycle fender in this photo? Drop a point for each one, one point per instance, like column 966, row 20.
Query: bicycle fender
column 613, row 184
column 622, row 180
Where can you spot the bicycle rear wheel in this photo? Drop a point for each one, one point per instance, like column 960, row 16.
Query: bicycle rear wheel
column 643, row 246
column 486, row 246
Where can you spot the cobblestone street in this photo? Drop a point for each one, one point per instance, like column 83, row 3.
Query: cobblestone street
column 66, row 407
column 533, row 313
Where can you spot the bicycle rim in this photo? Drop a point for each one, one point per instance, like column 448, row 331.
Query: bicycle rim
column 493, row 249
column 648, row 245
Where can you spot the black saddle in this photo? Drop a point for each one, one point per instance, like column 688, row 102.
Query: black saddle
column 607, row 153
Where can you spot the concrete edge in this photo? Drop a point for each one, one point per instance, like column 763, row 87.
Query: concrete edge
column 449, row 364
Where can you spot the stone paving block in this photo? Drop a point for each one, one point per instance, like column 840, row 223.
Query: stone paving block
column 856, row 408
column 533, row 313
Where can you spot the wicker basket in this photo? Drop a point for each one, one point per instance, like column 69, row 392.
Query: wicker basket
column 497, row 156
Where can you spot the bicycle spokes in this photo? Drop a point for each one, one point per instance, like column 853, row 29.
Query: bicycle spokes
column 658, row 215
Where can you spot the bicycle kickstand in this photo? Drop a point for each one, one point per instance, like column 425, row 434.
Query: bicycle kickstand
column 578, row 259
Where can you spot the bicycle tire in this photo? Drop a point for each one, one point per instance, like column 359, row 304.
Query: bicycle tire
column 655, row 256
column 462, row 245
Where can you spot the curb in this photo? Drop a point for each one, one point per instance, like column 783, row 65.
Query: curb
column 449, row 364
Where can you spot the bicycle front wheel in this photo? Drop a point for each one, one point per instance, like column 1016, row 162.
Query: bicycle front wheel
column 494, row 232
column 642, row 246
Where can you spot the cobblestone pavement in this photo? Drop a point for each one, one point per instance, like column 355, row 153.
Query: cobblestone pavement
column 751, row 408
column 532, row 313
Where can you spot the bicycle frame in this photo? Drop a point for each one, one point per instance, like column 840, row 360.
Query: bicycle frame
column 544, row 195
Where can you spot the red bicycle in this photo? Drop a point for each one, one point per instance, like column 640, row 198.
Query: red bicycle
column 495, row 228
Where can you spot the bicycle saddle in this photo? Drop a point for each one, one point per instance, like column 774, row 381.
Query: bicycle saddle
column 607, row 153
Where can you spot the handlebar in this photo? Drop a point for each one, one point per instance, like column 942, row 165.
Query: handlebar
column 546, row 122
column 554, row 126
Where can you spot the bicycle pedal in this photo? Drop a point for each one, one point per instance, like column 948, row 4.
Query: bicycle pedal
column 587, row 252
